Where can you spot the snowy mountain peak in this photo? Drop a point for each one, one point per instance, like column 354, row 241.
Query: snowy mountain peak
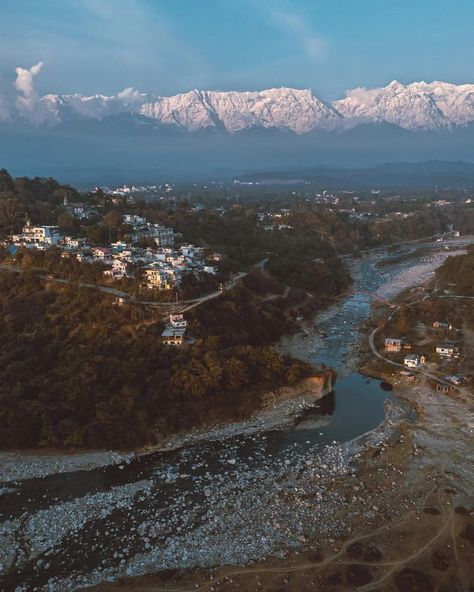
column 416, row 106
column 297, row 110
column 419, row 105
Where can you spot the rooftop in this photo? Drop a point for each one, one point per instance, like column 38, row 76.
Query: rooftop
column 174, row 332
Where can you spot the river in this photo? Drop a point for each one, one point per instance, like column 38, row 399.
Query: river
column 231, row 501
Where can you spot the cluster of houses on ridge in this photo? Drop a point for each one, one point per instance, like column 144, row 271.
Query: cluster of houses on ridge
column 162, row 265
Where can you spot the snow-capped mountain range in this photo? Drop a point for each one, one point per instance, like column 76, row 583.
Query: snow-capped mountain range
column 413, row 106
column 416, row 106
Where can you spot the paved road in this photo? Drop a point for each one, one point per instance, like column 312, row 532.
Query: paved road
column 192, row 303
column 456, row 296
column 105, row 289
column 228, row 285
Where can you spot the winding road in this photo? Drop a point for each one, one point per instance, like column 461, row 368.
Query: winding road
column 192, row 303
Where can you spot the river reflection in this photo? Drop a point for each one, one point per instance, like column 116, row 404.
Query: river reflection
column 356, row 406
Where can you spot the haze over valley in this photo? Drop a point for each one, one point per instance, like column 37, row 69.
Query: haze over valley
column 205, row 133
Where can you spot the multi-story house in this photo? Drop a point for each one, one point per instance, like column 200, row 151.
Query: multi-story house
column 134, row 220
column 70, row 242
column 178, row 321
column 162, row 278
column 118, row 269
column 163, row 237
column 411, row 361
column 173, row 336
column 101, row 254
column 447, row 350
column 393, row 345
column 37, row 236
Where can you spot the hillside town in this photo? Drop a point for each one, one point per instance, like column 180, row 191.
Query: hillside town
column 161, row 264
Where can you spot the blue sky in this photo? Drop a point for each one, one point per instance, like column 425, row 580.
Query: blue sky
column 168, row 46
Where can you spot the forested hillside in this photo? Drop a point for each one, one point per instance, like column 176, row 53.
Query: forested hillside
column 458, row 273
column 75, row 370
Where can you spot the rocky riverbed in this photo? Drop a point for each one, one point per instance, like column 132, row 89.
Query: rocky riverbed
column 400, row 516
column 254, row 506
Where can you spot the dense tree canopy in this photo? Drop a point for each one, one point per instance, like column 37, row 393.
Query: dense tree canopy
column 75, row 370
column 458, row 272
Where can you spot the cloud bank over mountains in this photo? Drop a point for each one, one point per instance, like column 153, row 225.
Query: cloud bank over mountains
column 418, row 106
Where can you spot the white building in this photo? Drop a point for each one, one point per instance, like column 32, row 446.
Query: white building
column 447, row 350
column 411, row 361
column 163, row 237
column 38, row 236
column 74, row 243
column 192, row 251
column 118, row 270
column 134, row 220
column 178, row 321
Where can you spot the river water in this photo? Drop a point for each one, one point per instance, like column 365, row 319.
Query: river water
column 170, row 509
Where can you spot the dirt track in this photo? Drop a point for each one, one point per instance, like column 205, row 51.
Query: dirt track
column 419, row 535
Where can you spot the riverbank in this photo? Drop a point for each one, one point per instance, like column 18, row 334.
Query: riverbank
column 254, row 506
column 20, row 465
column 401, row 520
column 280, row 407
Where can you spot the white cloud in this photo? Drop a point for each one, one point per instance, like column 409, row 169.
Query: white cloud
column 361, row 96
column 129, row 95
column 24, row 84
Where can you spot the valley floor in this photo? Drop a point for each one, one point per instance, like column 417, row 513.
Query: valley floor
column 402, row 520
